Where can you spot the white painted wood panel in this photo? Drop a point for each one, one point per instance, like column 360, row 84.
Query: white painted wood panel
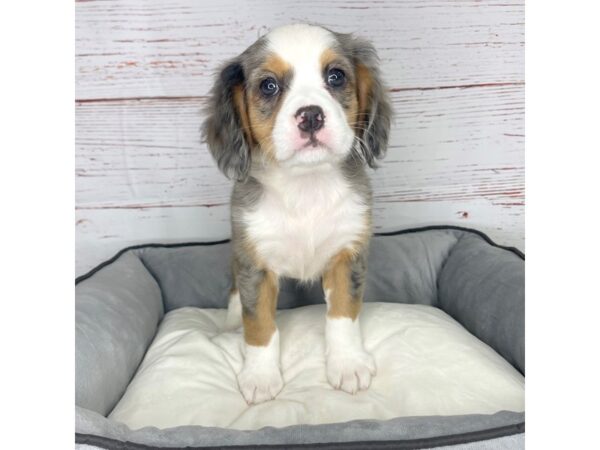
column 446, row 144
column 147, row 48
column 455, row 69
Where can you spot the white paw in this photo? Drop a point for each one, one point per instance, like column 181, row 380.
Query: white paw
column 350, row 372
column 259, row 385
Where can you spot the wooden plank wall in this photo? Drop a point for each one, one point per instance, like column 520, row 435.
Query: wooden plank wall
column 143, row 68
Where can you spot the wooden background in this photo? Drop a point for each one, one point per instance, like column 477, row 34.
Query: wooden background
column 143, row 67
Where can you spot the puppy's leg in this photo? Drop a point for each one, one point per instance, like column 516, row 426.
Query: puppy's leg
column 260, row 378
column 349, row 366
column 234, row 311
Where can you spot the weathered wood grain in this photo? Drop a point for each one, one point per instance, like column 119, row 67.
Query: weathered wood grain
column 447, row 144
column 149, row 48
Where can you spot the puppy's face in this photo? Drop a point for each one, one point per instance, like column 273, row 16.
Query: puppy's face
column 299, row 96
column 303, row 100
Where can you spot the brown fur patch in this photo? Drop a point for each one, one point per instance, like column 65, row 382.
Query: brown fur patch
column 276, row 65
column 348, row 97
column 261, row 124
column 336, row 279
column 364, row 85
column 327, row 57
column 260, row 326
column 262, row 127
column 239, row 100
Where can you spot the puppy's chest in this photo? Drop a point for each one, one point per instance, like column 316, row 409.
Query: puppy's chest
column 297, row 229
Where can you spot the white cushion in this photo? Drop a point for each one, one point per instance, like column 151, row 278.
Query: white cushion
column 427, row 364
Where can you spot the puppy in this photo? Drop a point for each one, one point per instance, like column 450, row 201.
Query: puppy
column 295, row 119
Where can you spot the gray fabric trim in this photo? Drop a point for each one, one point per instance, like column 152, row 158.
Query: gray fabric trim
column 469, row 441
column 483, row 287
column 116, row 315
column 513, row 442
column 400, row 429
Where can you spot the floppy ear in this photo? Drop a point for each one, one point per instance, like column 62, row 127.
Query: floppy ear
column 374, row 109
column 226, row 129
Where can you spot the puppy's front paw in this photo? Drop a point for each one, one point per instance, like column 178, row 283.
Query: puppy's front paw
column 260, row 384
column 350, row 372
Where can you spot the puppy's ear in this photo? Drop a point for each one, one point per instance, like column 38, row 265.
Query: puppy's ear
column 226, row 129
column 374, row 108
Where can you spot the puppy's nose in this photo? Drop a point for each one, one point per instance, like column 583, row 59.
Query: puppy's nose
column 310, row 118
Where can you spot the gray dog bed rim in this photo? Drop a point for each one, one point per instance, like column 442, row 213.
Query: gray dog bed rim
column 481, row 234
column 408, row 444
column 493, row 432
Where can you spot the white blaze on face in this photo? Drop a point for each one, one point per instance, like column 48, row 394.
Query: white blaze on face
column 302, row 46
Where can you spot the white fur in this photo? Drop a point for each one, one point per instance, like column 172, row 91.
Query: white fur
column 304, row 217
column 349, row 367
column 301, row 46
column 327, row 293
column 260, row 379
column 234, row 312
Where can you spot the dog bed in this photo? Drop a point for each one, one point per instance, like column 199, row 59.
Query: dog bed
column 443, row 317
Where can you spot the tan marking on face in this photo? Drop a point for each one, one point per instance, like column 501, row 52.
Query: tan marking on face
column 336, row 279
column 350, row 92
column 239, row 100
column 364, row 86
column 262, row 128
column 262, row 125
column 260, row 326
column 327, row 57
column 276, row 65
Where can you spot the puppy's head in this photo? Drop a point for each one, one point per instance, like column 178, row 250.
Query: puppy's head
column 299, row 96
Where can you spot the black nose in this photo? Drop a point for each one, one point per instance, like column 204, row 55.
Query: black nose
column 310, row 118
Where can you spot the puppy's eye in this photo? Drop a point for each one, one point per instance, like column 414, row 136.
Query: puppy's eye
column 336, row 78
column 269, row 86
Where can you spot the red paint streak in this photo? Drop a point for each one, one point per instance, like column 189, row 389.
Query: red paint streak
column 458, row 86
column 168, row 64
column 150, row 206
column 127, row 64
column 463, row 214
column 495, row 169
column 133, row 99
